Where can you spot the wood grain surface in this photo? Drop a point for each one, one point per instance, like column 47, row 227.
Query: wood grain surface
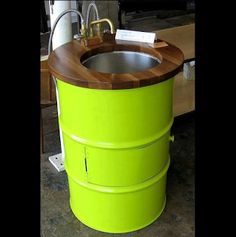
column 65, row 64
column 47, row 88
column 182, row 37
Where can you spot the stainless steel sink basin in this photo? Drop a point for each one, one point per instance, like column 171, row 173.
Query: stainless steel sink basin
column 120, row 62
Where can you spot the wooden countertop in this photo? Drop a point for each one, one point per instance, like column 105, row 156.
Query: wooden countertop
column 184, row 90
column 182, row 36
column 65, row 64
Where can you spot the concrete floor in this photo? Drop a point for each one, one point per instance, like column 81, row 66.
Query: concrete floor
column 177, row 219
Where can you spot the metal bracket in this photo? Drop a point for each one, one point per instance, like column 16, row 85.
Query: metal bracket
column 57, row 162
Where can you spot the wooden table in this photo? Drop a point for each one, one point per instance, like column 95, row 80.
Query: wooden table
column 184, row 90
column 47, row 89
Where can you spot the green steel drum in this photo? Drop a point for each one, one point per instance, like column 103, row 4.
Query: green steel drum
column 116, row 146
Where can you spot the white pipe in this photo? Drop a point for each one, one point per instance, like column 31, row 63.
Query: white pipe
column 63, row 31
column 60, row 131
column 62, row 35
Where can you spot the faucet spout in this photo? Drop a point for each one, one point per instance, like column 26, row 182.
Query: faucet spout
column 112, row 28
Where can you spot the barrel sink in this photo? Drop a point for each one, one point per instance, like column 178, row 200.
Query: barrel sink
column 115, row 102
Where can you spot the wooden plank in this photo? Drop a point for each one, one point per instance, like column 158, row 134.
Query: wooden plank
column 47, row 90
column 182, row 36
column 183, row 95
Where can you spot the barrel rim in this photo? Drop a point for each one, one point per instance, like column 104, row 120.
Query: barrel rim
column 65, row 64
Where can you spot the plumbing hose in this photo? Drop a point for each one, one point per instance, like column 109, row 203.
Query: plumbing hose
column 92, row 4
column 54, row 27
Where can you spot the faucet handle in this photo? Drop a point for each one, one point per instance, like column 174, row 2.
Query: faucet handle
column 81, row 34
column 83, row 30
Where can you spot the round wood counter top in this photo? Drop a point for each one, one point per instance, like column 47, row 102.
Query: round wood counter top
column 65, row 64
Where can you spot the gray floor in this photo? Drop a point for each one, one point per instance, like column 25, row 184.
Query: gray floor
column 177, row 219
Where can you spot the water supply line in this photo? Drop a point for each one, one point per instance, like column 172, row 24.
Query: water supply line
column 63, row 32
column 83, row 34
column 57, row 20
column 54, row 27
column 92, row 4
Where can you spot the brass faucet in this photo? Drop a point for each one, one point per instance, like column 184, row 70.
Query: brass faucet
column 97, row 22
column 83, row 30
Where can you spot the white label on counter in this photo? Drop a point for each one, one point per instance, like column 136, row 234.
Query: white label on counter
column 132, row 35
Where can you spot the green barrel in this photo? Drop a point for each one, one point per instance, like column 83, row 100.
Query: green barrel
column 116, row 145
